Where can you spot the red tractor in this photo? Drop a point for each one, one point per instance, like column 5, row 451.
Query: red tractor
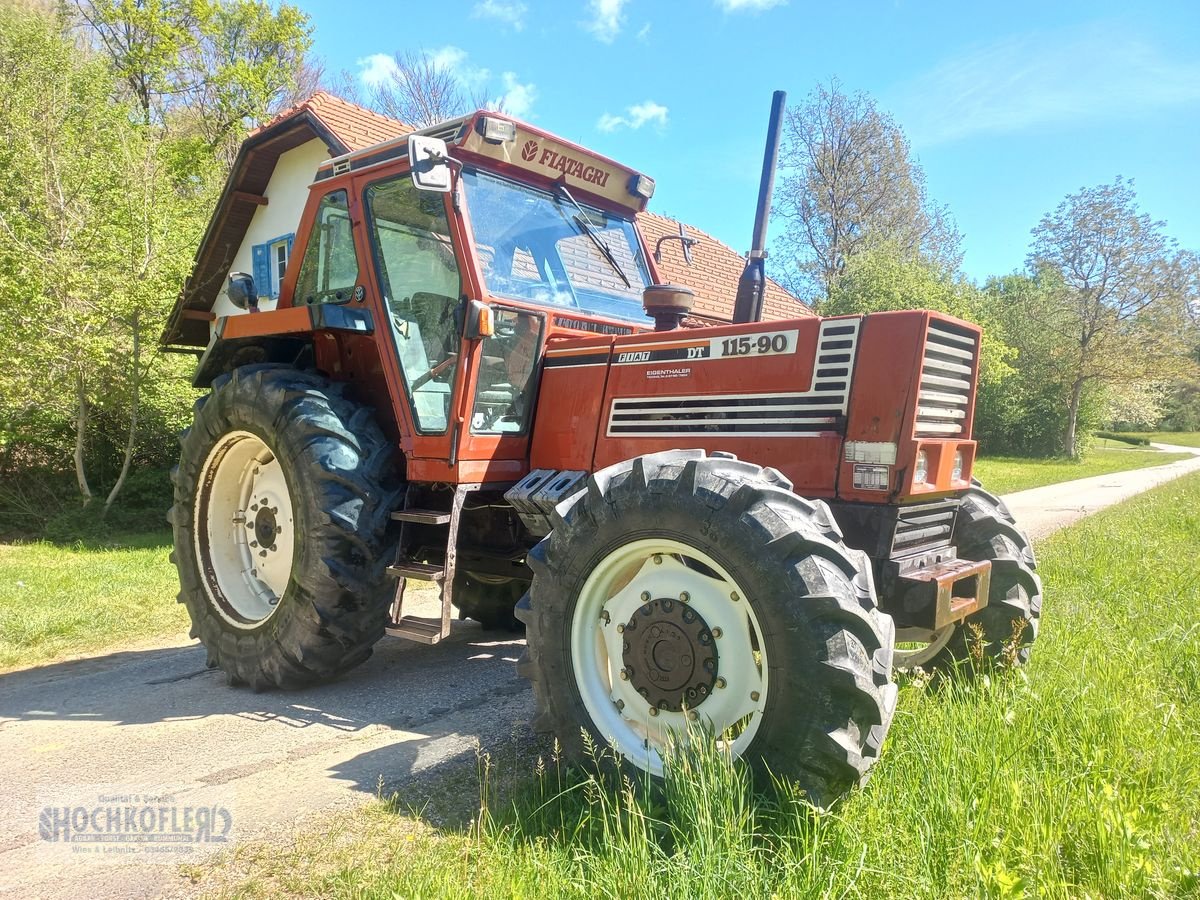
column 473, row 376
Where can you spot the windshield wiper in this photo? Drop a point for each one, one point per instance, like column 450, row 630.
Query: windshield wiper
column 585, row 227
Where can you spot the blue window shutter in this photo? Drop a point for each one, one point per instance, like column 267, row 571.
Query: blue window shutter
column 262, row 270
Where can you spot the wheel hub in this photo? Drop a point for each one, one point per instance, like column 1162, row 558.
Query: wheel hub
column 265, row 527
column 669, row 654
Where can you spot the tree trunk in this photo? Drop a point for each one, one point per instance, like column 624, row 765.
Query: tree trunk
column 131, row 438
column 1073, row 419
column 81, row 423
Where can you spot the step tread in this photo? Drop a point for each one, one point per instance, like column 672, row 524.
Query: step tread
column 418, row 628
column 419, row 571
column 422, row 516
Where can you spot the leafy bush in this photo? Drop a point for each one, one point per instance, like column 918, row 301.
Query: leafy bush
column 1133, row 439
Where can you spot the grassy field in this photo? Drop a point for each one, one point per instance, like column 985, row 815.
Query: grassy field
column 1078, row 776
column 1178, row 438
column 1005, row 474
column 60, row 601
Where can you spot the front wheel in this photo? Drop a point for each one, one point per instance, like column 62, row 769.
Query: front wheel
column 679, row 590
column 1004, row 630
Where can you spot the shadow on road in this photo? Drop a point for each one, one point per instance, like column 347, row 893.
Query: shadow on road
column 402, row 686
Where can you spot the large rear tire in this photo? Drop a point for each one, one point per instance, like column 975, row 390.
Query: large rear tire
column 677, row 588
column 489, row 600
column 283, row 494
column 1004, row 630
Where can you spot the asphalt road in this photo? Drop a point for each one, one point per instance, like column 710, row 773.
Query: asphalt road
column 1041, row 511
column 157, row 719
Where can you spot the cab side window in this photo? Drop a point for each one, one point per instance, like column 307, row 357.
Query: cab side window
column 418, row 273
column 329, row 272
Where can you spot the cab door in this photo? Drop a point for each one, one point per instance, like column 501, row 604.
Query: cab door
column 420, row 280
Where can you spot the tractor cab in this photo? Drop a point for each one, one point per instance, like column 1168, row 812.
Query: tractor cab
column 468, row 246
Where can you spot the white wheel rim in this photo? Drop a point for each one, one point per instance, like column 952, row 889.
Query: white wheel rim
column 242, row 502
column 918, row 646
column 613, row 593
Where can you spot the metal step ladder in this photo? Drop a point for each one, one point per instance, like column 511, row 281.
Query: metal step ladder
column 424, row 629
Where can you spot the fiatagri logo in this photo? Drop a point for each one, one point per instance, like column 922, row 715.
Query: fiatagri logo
column 568, row 165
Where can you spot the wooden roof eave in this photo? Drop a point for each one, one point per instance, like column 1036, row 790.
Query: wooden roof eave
column 199, row 291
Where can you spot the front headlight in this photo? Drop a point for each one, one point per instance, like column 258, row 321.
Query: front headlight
column 957, row 472
column 921, row 474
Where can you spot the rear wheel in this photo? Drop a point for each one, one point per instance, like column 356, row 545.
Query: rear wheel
column 282, row 499
column 489, row 599
column 680, row 589
column 1005, row 629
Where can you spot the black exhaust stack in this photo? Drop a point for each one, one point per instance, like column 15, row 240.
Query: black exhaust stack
column 752, row 285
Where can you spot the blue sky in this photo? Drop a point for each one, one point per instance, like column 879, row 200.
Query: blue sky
column 1009, row 105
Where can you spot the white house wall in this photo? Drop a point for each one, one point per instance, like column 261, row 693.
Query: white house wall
column 286, row 193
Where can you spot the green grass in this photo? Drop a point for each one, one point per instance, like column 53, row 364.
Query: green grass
column 1078, row 776
column 1005, row 474
column 58, row 601
column 1178, row 438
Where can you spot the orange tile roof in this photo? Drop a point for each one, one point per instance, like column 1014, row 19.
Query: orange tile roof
column 353, row 125
column 714, row 272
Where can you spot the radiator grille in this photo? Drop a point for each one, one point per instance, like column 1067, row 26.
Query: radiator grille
column 822, row 408
column 946, row 382
column 926, row 526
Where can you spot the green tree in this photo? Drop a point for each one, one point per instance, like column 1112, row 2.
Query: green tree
column 849, row 182
column 1121, row 314
column 1028, row 414
column 212, row 67
column 98, row 227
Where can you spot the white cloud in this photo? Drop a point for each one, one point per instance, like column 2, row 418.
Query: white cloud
column 511, row 14
column 644, row 33
column 635, row 117
column 375, row 69
column 605, row 19
column 1099, row 73
column 733, row 6
column 517, row 99
column 454, row 60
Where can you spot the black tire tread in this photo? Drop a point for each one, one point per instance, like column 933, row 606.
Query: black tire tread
column 827, row 739
column 344, row 484
column 986, row 530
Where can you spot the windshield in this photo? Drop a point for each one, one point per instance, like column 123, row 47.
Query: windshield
column 536, row 246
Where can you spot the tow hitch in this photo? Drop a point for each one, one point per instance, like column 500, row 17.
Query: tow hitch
column 949, row 589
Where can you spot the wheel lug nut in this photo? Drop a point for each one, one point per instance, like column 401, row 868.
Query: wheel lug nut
column 717, row 632
column 620, row 704
column 624, row 674
column 685, row 597
column 604, row 617
column 254, row 543
column 262, row 553
column 754, row 695
column 721, row 682
column 620, row 628
column 693, row 715
column 658, row 559
column 645, row 596
column 653, row 711
column 733, row 595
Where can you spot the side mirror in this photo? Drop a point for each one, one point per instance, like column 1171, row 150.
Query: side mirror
column 430, row 163
column 241, row 291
